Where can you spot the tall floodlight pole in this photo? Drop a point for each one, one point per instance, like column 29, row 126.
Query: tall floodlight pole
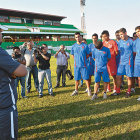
column 83, row 24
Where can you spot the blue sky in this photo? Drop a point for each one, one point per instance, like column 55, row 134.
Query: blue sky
column 100, row 14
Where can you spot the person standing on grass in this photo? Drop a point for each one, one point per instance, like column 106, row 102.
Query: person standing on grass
column 44, row 69
column 30, row 65
column 136, row 51
column 81, row 83
column 9, row 70
column 80, row 52
column 111, row 65
column 101, row 55
column 90, row 59
column 126, row 64
column 62, row 62
column 16, row 55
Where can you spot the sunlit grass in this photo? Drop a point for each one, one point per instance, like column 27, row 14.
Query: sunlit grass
column 78, row 118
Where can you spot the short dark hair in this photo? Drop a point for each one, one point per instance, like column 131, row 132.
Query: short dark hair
column 123, row 30
column 77, row 33
column 95, row 35
column 105, row 32
column 117, row 32
column 138, row 27
column 16, row 47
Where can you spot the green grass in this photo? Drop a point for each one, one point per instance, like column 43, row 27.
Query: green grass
column 78, row 118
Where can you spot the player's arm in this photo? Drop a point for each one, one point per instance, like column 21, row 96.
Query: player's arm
column 87, row 51
column 72, row 51
column 116, row 48
column 93, row 55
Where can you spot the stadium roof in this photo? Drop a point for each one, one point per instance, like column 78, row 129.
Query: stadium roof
column 32, row 15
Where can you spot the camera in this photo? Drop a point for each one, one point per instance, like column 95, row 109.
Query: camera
column 37, row 51
column 16, row 55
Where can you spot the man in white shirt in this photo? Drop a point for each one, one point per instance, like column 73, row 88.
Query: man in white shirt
column 62, row 57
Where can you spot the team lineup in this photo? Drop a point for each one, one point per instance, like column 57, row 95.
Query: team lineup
column 107, row 58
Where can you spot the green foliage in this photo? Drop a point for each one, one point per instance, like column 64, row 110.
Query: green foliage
column 78, row 118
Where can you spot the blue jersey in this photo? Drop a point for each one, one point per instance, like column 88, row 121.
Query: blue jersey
column 136, row 49
column 80, row 53
column 117, row 42
column 101, row 58
column 126, row 51
column 90, row 59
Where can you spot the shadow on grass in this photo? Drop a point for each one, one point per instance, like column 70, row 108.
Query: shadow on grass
column 75, row 110
column 56, row 92
column 133, row 135
column 84, row 126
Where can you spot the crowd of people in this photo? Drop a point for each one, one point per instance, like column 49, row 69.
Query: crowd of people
column 101, row 59
column 29, row 56
column 107, row 59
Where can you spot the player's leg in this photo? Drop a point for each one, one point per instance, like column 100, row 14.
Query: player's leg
column 120, row 73
column 106, row 80
column 77, row 77
column 115, row 83
column 130, row 75
column 129, row 80
column 97, row 78
column 85, row 76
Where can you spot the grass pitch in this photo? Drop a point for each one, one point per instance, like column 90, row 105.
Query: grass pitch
column 78, row 118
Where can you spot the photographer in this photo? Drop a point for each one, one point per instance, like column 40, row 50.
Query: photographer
column 62, row 57
column 27, row 51
column 44, row 69
column 16, row 55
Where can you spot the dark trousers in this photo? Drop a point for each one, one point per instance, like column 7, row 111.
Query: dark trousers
column 61, row 70
column 8, row 124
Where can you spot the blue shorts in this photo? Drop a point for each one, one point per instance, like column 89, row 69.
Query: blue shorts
column 104, row 75
column 91, row 70
column 125, row 70
column 137, row 71
column 81, row 72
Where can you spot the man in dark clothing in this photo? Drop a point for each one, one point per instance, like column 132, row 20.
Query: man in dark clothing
column 9, row 68
column 44, row 69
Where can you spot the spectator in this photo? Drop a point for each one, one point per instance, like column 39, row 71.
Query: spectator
column 44, row 69
column 19, row 58
column 62, row 57
column 30, row 65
